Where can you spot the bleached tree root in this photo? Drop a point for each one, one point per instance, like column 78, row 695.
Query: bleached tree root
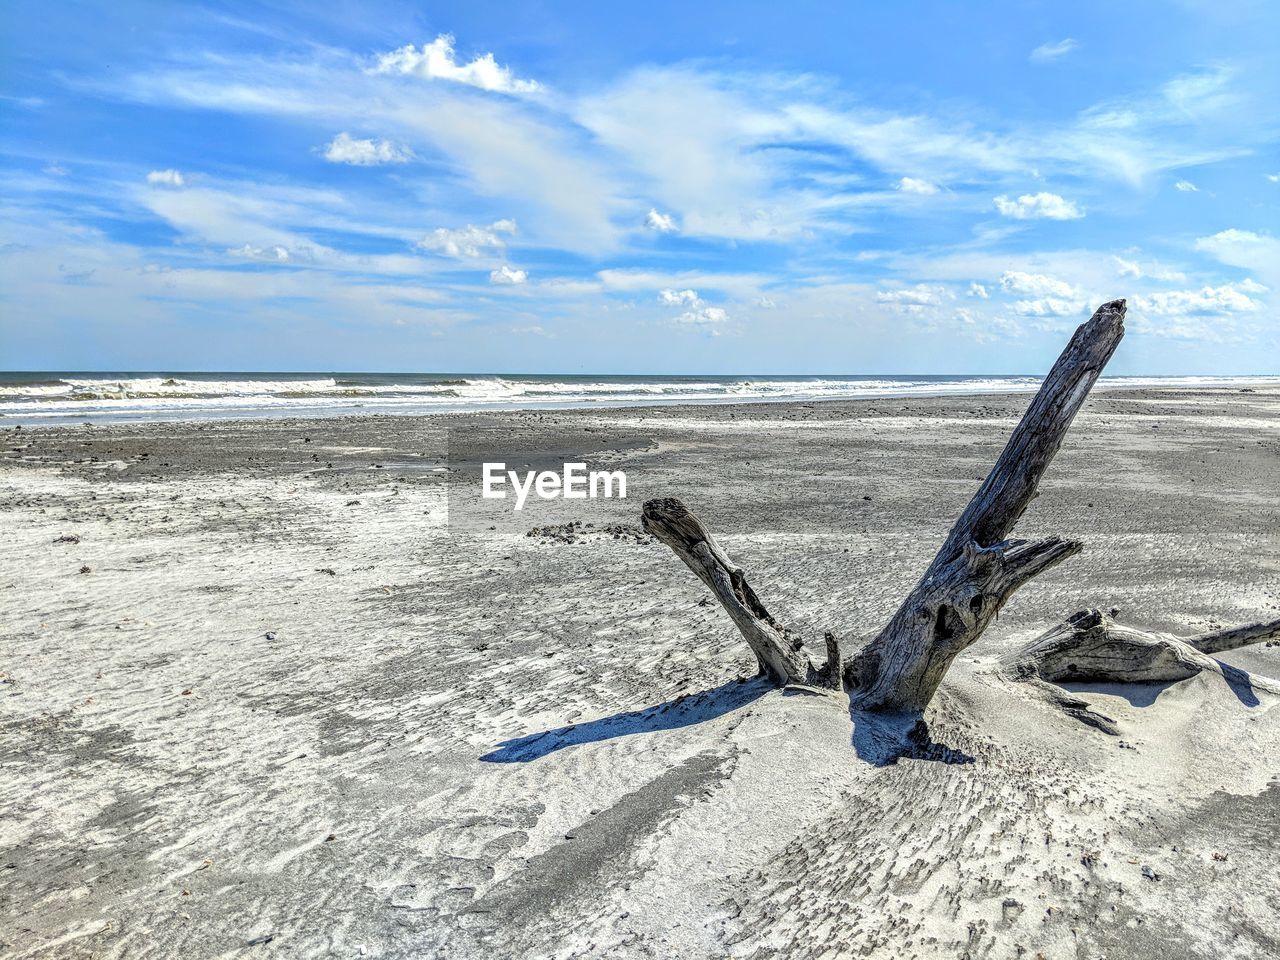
column 1092, row 647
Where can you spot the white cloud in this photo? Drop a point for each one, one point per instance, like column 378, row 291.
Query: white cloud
column 506, row 275
column 920, row 295
column 1239, row 247
column 912, row 185
column 1036, row 285
column 436, row 60
column 1186, row 186
column 699, row 311
column 1048, row 307
column 1228, row 298
column 1274, row 177
column 56, row 170
column 1131, row 268
column 676, row 298
column 661, row 222
column 1038, row 206
column 978, row 290
column 469, row 241
column 1259, row 252
column 365, row 153
column 1052, row 51
column 534, row 330
column 704, row 315
column 275, row 254
column 1045, row 296
column 167, row 178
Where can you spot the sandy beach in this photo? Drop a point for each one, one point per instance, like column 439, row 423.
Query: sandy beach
column 290, row 688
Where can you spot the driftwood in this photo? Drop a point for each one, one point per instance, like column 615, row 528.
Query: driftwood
column 1091, row 647
column 975, row 572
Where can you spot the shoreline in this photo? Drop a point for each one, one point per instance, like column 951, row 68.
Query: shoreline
column 1259, row 384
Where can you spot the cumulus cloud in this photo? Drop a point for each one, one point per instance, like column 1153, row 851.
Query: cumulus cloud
column 920, row 295
column 1274, row 177
column 677, row 298
column 505, row 275
column 912, row 185
column 1186, row 186
column 1038, row 206
column 365, row 153
column 166, row 178
column 1044, row 296
column 978, row 290
column 437, row 61
column 698, row 312
column 1052, row 51
column 469, row 241
column 661, row 222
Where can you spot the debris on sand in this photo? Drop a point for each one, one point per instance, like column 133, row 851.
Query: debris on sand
column 327, row 570
column 270, row 635
column 86, row 569
column 67, row 538
column 576, row 531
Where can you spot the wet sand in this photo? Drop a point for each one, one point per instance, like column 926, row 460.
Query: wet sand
column 311, row 696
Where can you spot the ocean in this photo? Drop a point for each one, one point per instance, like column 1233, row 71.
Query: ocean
column 61, row 396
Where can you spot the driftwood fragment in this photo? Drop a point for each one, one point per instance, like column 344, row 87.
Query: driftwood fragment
column 1092, row 647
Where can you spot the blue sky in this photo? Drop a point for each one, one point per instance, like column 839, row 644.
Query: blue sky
column 566, row 187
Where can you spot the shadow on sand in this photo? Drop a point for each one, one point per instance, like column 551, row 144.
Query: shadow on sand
column 878, row 739
column 1238, row 681
column 683, row 711
column 883, row 739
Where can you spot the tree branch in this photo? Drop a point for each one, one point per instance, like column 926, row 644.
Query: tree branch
column 1011, row 485
column 778, row 654
column 1221, row 641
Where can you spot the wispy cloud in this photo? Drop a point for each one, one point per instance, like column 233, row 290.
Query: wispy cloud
column 914, row 185
column 687, row 192
column 1052, row 51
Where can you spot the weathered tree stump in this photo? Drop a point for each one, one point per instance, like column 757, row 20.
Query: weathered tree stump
column 975, row 572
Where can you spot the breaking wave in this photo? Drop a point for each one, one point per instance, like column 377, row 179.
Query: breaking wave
column 198, row 396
